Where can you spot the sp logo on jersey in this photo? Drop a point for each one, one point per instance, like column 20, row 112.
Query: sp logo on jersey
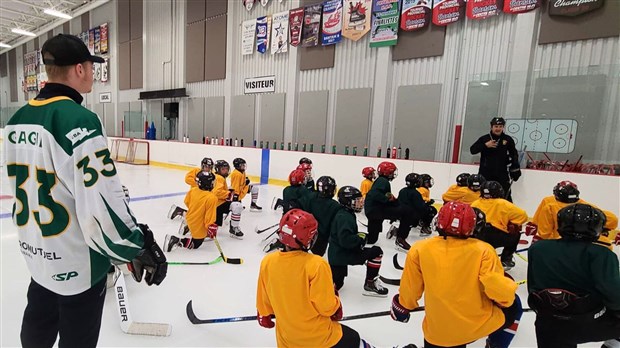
column 62, row 277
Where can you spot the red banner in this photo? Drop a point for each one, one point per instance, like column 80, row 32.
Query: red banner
column 296, row 19
column 481, row 9
column 448, row 11
column 520, row 6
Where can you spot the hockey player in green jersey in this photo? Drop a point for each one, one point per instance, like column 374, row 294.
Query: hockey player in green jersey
column 70, row 210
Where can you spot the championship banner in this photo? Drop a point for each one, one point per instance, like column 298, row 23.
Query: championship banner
column 264, row 2
column 295, row 18
column 448, row 11
column 481, row 9
column 248, row 4
column 416, row 14
column 97, row 40
column 312, row 23
column 572, row 8
column 520, row 6
column 356, row 19
column 262, row 33
column 103, row 29
column 248, row 29
column 279, row 33
column 332, row 22
column 91, row 40
column 384, row 31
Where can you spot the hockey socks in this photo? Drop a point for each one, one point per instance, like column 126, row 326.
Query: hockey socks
column 502, row 338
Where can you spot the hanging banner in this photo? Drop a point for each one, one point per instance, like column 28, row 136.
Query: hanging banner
column 481, row 9
column 264, row 2
column 384, row 28
column 356, row 19
column 571, row 8
column 295, row 20
column 332, row 22
column 312, row 23
column 91, row 41
column 248, row 29
column 448, row 11
column 248, row 4
column 279, row 33
column 416, row 14
column 262, row 33
column 520, row 6
column 103, row 30
column 97, row 40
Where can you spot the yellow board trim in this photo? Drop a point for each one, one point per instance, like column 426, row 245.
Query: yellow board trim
column 34, row 102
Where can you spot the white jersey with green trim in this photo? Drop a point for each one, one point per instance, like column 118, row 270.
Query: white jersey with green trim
column 71, row 215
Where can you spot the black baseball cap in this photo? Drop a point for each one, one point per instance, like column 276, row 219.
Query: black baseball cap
column 498, row 121
column 66, row 50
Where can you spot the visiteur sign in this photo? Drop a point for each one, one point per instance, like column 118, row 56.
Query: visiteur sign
column 264, row 84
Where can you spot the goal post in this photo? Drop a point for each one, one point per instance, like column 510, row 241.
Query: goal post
column 130, row 151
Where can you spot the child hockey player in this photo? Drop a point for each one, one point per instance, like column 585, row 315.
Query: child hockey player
column 297, row 287
column 466, row 295
column 544, row 224
column 240, row 184
column 426, row 182
column 380, row 204
column 307, row 168
column 323, row 207
column 346, row 245
column 475, row 181
column 228, row 201
column 410, row 197
column 206, row 165
column 369, row 175
column 461, row 192
column 201, row 210
column 504, row 221
column 574, row 285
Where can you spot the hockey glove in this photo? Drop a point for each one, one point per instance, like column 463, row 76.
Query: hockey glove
column 265, row 321
column 363, row 236
column 150, row 260
column 617, row 239
column 247, row 181
column 531, row 229
column 514, row 229
column 390, row 197
column 515, row 174
column 398, row 312
column 212, row 231
column 431, row 202
column 338, row 314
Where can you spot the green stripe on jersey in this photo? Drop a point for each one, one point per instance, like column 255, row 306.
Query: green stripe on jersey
column 99, row 266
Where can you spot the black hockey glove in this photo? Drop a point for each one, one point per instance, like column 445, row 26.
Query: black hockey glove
column 247, row 181
column 515, row 174
column 431, row 202
column 150, row 259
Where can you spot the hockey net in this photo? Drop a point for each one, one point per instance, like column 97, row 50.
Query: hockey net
column 130, row 151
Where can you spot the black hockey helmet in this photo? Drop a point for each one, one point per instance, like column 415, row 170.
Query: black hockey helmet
column 205, row 180
column 351, row 198
column 412, row 180
column 566, row 192
column 326, row 186
column 221, row 164
column 461, row 179
column 492, row 189
column 238, row 162
column 581, row 222
column 426, row 181
column 206, row 163
column 475, row 181
column 498, row 121
column 305, row 160
column 481, row 220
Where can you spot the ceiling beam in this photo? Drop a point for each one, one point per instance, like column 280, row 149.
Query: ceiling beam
column 30, row 4
column 24, row 14
column 13, row 20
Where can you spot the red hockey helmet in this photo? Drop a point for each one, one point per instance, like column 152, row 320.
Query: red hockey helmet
column 304, row 166
column 387, row 169
column 297, row 177
column 456, row 219
column 298, row 229
column 369, row 173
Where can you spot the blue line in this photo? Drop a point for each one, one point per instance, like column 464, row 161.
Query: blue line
column 136, row 199
column 264, row 169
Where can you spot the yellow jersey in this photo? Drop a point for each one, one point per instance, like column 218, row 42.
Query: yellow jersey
column 500, row 212
column 365, row 187
column 201, row 211
column 298, row 288
column 458, row 193
column 220, row 189
column 190, row 177
column 462, row 281
column 426, row 193
column 237, row 183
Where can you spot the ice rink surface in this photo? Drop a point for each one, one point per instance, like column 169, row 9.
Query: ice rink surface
column 220, row 290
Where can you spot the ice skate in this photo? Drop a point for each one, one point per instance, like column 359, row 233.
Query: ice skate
column 171, row 242
column 255, row 208
column 425, row 231
column 235, row 232
column 374, row 288
column 175, row 211
column 508, row 264
column 402, row 244
column 391, row 232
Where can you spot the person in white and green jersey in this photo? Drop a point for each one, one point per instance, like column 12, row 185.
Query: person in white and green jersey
column 71, row 215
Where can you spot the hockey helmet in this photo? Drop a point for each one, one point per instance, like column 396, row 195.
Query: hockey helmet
column 566, row 192
column 456, row 219
column 492, row 189
column 239, row 164
column 481, row 220
column 220, row 165
column 305, row 160
column 206, row 164
column 581, row 222
column 298, row 229
column 387, row 170
column 412, row 180
column 369, row 173
column 475, row 181
column 351, row 198
column 426, row 181
column 461, row 179
column 326, row 186
column 205, row 180
column 297, row 177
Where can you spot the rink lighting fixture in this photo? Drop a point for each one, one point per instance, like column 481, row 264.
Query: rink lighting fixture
column 23, row 32
column 484, row 83
column 3, row 45
column 57, row 14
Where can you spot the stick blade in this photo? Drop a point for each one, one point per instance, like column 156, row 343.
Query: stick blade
column 149, row 329
column 389, row 281
column 395, row 261
column 189, row 310
column 234, row 261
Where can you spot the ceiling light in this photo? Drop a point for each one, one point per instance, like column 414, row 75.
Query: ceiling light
column 3, row 45
column 23, row 32
column 484, row 83
column 57, row 14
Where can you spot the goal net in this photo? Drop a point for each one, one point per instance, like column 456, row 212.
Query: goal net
column 130, row 151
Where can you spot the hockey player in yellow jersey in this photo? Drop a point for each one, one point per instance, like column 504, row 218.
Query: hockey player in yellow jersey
column 201, row 208
column 461, row 192
column 369, row 175
column 504, row 220
column 466, row 294
column 227, row 200
column 297, row 287
column 544, row 224
column 426, row 182
column 206, row 165
column 240, row 184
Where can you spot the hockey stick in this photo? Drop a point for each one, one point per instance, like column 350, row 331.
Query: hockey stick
column 227, row 260
column 265, row 229
column 195, row 320
column 180, row 263
column 127, row 324
column 390, row 281
column 269, row 236
column 396, row 265
column 363, row 224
